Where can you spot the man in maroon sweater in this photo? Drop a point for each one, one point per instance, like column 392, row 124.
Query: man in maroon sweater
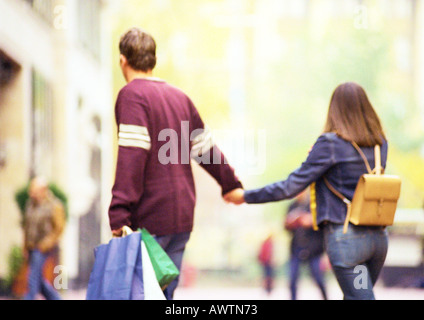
column 159, row 131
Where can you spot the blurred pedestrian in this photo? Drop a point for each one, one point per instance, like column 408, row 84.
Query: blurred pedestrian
column 306, row 245
column 352, row 124
column 44, row 222
column 160, row 130
column 265, row 258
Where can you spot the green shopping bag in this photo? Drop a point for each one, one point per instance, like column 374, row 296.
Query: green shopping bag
column 164, row 267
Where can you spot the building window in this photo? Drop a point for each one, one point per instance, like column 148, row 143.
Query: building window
column 41, row 126
column 89, row 25
column 8, row 68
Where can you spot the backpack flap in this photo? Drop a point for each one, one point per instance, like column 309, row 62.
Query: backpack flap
column 375, row 200
column 381, row 187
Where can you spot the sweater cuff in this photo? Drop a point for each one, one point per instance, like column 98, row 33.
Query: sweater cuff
column 119, row 219
column 229, row 188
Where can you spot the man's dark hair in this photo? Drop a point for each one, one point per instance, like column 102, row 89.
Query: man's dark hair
column 139, row 48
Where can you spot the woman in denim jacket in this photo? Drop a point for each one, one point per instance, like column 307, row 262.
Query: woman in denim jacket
column 357, row 257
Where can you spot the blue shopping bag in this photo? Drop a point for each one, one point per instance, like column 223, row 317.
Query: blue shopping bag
column 117, row 273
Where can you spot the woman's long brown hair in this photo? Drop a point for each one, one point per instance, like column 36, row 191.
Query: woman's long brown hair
column 352, row 117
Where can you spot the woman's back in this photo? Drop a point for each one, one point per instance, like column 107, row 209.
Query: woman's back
column 347, row 166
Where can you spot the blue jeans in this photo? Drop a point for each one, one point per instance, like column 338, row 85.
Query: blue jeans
column 174, row 245
column 268, row 274
column 356, row 257
column 36, row 282
column 316, row 273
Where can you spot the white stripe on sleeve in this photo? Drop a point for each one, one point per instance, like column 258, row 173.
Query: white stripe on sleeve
column 134, row 136
column 202, row 143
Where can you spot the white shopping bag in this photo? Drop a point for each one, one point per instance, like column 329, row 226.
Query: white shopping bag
column 152, row 290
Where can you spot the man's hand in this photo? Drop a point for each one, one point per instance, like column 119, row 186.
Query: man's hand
column 235, row 196
column 117, row 233
column 122, row 232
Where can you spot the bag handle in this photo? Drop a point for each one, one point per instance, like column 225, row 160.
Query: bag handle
column 126, row 231
column 377, row 156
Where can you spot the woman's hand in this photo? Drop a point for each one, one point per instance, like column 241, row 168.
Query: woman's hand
column 235, row 196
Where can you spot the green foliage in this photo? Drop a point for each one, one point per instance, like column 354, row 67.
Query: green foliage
column 21, row 198
column 15, row 262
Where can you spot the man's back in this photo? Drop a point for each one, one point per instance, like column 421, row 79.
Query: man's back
column 159, row 131
column 154, row 180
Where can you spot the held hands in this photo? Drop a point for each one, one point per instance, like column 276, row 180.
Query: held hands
column 235, row 196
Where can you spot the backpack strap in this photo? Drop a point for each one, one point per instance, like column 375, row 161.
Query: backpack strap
column 377, row 170
column 337, row 193
column 361, row 153
column 345, row 200
column 377, row 156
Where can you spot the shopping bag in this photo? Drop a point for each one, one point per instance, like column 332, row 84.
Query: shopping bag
column 164, row 267
column 152, row 290
column 117, row 272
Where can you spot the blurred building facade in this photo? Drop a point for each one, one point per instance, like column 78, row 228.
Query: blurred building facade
column 419, row 61
column 56, row 118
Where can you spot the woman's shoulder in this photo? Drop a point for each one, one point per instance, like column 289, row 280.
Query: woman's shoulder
column 328, row 136
column 331, row 137
column 331, row 142
column 385, row 142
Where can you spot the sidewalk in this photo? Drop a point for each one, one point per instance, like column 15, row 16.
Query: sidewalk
column 306, row 292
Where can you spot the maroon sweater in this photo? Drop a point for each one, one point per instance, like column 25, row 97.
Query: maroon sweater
column 159, row 128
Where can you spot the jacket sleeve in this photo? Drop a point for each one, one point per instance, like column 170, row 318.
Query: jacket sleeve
column 134, row 144
column 58, row 225
column 207, row 154
column 320, row 159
